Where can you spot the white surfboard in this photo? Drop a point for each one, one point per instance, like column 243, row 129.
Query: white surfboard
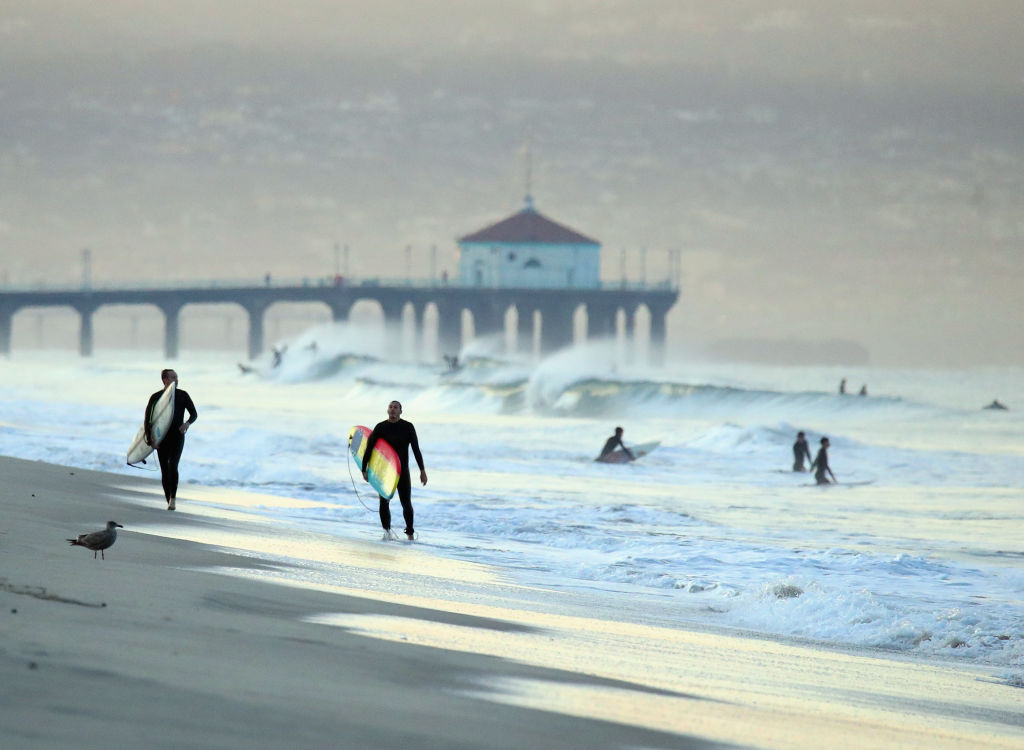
column 160, row 419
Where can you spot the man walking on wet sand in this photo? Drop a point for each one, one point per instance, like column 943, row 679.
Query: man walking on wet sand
column 401, row 436
column 170, row 448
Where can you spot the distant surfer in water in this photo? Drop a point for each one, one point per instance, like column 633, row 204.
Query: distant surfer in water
column 800, row 451
column 997, row 405
column 842, row 387
column 820, row 465
column 169, row 449
column 401, row 436
column 615, row 441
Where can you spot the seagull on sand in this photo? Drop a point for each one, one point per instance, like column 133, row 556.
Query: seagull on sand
column 98, row 541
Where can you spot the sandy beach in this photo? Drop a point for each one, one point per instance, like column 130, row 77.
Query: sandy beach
column 184, row 636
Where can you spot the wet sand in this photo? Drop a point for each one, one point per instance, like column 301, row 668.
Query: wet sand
column 184, row 636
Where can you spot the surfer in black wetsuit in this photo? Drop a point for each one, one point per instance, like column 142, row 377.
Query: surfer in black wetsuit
column 401, row 436
column 800, row 451
column 820, row 465
column 169, row 449
column 615, row 441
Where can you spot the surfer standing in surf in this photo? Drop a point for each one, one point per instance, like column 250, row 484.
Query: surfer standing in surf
column 820, row 465
column 800, row 451
column 170, row 448
column 400, row 435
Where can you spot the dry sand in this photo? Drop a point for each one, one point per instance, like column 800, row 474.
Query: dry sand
column 149, row 649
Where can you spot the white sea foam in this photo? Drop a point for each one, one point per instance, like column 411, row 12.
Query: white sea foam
column 917, row 549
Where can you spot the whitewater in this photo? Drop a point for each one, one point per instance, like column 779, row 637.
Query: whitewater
column 915, row 553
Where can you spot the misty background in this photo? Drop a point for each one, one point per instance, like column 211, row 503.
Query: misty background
column 839, row 179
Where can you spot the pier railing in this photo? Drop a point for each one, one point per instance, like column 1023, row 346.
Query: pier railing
column 274, row 282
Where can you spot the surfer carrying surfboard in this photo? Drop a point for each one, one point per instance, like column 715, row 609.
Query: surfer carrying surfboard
column 169, row 449
column 400, row 435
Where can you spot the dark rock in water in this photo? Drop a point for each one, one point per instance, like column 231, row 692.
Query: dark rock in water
column 787, row 591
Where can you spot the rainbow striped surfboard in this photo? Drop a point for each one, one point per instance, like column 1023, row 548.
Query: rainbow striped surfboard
column 384, row 466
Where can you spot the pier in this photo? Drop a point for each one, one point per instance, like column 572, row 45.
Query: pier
column 553, row 311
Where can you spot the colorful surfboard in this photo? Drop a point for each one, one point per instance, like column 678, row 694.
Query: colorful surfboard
column 160, row 422
column 384, row 466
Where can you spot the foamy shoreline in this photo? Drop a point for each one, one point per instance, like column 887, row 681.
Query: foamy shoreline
column 149, row 649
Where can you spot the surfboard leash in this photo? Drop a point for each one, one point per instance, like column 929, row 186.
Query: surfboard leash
column 348, row 460
column 142, row 468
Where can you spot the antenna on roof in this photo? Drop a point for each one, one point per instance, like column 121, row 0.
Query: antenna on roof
column 528, row 157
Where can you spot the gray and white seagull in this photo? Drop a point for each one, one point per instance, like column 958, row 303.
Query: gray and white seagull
column 98, row 541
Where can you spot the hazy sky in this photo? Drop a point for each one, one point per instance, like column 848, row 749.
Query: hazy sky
column 827, row 169
column 899, row 42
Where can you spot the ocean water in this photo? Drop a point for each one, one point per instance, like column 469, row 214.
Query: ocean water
column 917, row 551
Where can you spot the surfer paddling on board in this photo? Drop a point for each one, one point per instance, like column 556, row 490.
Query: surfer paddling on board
column 800, row 451
column 820, row 465
column 615, row 441
column 169, row 449
column 401, row 436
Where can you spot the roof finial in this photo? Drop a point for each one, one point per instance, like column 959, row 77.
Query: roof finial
column 528, row 156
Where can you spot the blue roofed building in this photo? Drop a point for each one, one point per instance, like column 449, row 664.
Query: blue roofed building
column 528, row 250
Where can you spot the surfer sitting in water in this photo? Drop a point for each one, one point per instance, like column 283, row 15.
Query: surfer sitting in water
column 800, row 451
column 820, row 465
column 615, row 441
column 401, row 436
column 169, row 449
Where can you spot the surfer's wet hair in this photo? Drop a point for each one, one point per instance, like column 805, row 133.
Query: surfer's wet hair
column 395, row 401
column 167, row 374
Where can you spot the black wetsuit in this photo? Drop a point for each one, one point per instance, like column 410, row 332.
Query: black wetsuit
column 800, row 451
column 611, row 444
column 401, row 436
column 169, row 450
column 820, row 466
